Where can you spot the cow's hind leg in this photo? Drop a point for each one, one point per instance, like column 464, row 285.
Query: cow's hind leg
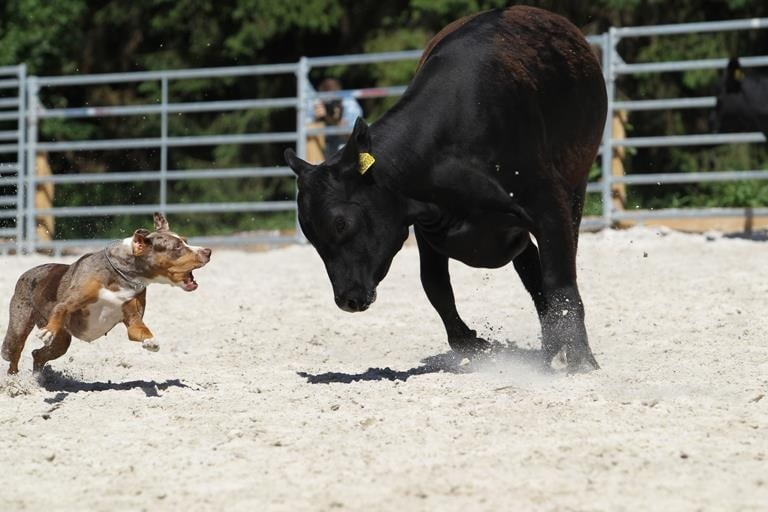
column 437, row 285
column 577, row 208
column 562, row 311
column 528, row 267
column 20, row 324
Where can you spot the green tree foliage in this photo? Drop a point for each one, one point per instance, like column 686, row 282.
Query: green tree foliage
column 101, row 36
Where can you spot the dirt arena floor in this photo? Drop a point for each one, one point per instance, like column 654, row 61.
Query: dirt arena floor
column 265, row 396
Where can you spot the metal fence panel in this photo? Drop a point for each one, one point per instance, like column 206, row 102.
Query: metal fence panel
column 12, row 121
column 159, row 144
column 22, row 112
column 615, row 67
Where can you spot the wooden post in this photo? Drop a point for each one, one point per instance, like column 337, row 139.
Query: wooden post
column 44, row 198
column 316, row 144
column 619, row 190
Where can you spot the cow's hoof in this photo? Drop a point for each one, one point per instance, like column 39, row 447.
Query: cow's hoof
column 581, row 362
column 469, row 345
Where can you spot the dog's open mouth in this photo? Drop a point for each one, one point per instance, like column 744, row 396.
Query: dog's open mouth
column 188, row 283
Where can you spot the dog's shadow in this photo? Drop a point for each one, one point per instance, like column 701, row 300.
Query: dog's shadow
column 62, row 384
column 447, row 362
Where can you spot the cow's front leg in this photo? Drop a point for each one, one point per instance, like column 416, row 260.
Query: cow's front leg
column 437, row 284
column 562, row 311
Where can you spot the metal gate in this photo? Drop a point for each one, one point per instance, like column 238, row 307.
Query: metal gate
column 12, row 120
column 22, row 109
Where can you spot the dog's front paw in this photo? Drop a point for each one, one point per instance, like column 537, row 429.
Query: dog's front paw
column 151, row 344
column 46, row 336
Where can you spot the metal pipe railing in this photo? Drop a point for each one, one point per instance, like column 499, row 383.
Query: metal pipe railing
column 171, row 108
column 178, row 74
column 690, row 140
column 691, row 177
column 193, row 174
column 28, row 113
column 620, row 68
column 666, row 104
column 606, row 151
column 148, row 209
column 158, row 142
column 21, row 128
column 689, row 28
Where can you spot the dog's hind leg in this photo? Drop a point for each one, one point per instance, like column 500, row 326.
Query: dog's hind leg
column 20, row 324
column 56, row 348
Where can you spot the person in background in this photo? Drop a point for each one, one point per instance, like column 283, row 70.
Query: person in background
column 331, row 112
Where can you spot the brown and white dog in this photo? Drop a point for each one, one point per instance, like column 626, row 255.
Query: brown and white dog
column 89, row 297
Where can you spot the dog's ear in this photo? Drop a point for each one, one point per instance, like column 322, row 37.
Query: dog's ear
column 161, row 224
column 141, row 242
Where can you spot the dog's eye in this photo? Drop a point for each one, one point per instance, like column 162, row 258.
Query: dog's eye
column 340, row 224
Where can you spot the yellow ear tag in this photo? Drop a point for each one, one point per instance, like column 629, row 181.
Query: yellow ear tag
column 366, row 161
column 738, row 75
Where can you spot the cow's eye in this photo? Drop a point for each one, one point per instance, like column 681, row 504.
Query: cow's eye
column 340, row 224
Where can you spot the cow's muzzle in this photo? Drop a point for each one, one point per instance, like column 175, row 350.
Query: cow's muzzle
column 355, row 301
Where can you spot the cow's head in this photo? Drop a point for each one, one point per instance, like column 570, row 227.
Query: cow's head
column 356, row 226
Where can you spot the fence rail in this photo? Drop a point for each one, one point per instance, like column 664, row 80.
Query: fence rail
column 12, row 127
column 22, row 111
column 614, row 68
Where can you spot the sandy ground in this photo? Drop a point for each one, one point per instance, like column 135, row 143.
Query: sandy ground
column 265, row 396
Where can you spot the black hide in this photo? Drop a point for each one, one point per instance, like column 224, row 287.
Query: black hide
column 490, row 144
column 742, row 101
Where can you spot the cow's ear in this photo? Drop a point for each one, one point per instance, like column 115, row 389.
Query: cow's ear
column 359, row 142
column 356, row 154
column 361, row 136
column 298, row 165
column 733, row 76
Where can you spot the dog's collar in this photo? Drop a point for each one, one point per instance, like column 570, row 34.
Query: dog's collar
column 133, row 283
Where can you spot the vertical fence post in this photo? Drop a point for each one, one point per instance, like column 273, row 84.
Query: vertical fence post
column 302, row 92
column 21, row 123
column 609, row 46
column 164, row 143
column 31, row 150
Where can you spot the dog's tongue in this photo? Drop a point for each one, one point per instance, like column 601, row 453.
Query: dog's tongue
column 189, row 282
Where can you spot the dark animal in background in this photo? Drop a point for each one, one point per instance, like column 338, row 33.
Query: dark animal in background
column 490, row 144
column 742, row 101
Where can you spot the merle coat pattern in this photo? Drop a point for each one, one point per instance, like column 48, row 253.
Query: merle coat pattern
column 490, row 145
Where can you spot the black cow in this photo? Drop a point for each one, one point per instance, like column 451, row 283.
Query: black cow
column 742, row 101
column 490, row 144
